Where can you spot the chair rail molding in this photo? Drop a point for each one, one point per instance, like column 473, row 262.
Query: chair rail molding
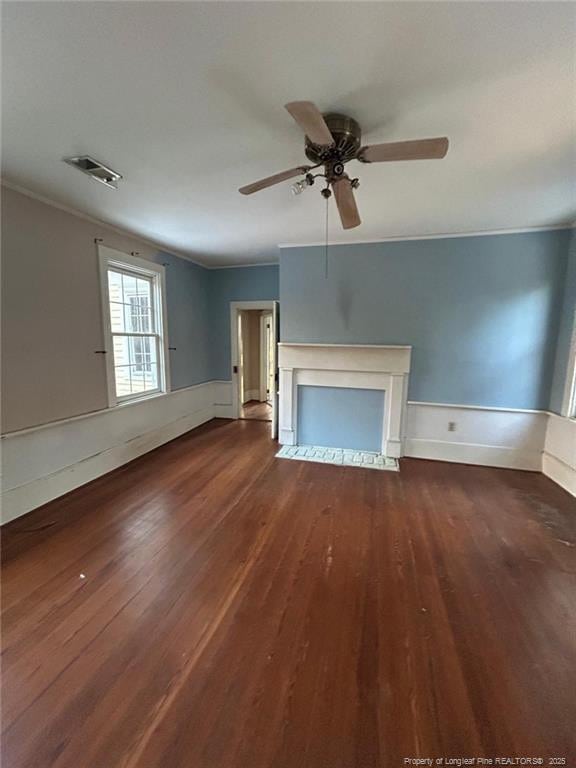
column 354, row 366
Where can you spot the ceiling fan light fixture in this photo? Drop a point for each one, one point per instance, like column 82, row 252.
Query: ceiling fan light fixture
column 331, row 141
column 298, row 187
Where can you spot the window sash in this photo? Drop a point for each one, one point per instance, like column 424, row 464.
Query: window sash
column 143, row 306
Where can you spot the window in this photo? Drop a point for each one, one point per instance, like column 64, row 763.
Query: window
column 133, row 298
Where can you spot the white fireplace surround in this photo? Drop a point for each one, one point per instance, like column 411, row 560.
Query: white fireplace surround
column 354, row 366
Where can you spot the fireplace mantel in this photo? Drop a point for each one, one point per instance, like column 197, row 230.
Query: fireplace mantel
column 355, row 366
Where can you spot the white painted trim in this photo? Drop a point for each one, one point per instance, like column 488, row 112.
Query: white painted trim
column 559, row 459
column 262, row 362
column 500, row 438
column 476, row 407
column 559, row 472
column 235, row 308
column 506, row 457
column 342, row 346
column 569, row 396
column 242, row 266
column 441, row 236
column 181, row 255
column 223, row 411
column 44, row 462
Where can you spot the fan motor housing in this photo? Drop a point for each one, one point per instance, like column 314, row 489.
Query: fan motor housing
column 347, row 137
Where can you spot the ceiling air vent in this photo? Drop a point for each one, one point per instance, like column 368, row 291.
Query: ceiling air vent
column 95, row 169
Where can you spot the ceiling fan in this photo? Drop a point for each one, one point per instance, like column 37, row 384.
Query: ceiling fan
column 332, row 140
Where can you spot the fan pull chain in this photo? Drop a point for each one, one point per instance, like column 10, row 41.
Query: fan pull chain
column 326, row 243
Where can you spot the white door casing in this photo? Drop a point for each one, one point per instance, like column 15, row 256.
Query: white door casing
column 235, row 308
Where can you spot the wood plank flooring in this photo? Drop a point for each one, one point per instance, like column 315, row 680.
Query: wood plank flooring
column 254, row 409
column 210, row 606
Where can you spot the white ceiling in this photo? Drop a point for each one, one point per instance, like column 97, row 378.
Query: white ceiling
column 185, row 100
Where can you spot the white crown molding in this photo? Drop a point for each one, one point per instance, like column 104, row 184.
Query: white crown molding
column 242, row 266
column 479, row 407
column 165, row 249
column 442, row 236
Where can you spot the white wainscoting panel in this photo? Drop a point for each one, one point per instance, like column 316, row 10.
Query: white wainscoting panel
column 42, row 463
column 223, row 400
column 559, row 459
column 490, row 437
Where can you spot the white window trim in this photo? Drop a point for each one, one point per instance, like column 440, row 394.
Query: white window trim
column 110, row 258
column 569, row 399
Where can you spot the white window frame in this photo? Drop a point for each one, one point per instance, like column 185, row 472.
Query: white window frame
column 110, row 259
column 569, row 399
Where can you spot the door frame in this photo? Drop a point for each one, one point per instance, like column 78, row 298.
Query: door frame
column 264, row 319
column 235, row 308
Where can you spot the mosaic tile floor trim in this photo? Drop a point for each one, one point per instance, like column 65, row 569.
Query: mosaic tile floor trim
column 338, row 456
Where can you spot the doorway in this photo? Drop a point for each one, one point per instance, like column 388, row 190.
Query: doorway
column 254, row 339
column 254, row 380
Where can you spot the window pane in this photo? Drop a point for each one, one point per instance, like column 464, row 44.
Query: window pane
column 128, row 287
column 143, row 352
column 116, row 317
column 123, row 380
column 115, row 298
column 144, row 288
column 114, row 286
column 144, row 378
column 121, row 350
column 138, row 318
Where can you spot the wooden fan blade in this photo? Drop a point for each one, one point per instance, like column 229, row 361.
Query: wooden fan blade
column 310, row 119
column 346, row 203
column 269, row 181
column 420, row 149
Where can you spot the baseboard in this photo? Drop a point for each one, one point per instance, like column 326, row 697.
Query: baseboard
column 561, row 473
column 470, row 453
column 559, row 457
column 223, row 411
column 252, row 394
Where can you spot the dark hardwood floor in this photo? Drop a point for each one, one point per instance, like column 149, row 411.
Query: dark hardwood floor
column 254, row 409
column 210, row 606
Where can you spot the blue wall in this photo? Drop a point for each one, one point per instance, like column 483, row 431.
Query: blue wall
column 187, row 299
column 237, row 284
column 566, row 329
column 482, row 313
column 198, row 304
column 337, row 417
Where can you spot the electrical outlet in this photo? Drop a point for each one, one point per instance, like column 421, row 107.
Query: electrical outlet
column 451, row 426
